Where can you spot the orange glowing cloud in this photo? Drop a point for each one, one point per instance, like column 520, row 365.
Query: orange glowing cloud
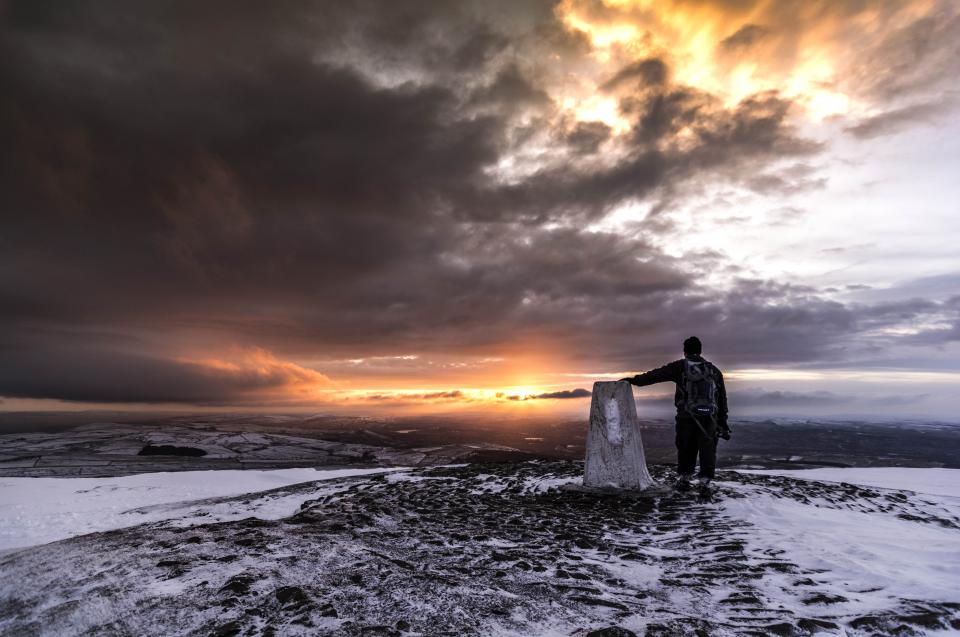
column 508, row 382
column 521, row 377
column 805, row 51
column 259, row 371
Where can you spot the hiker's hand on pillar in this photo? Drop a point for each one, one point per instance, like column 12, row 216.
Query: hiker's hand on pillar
column 625, row 380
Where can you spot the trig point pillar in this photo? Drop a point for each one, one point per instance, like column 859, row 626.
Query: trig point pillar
column 614, row 449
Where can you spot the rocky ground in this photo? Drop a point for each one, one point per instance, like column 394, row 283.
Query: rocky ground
column 495, row 549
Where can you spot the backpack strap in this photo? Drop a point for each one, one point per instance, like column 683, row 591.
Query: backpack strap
column 716, row 427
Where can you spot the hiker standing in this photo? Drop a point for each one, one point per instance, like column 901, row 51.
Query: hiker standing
column 701, row 401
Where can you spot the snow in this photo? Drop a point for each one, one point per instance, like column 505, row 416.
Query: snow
column 638, row 575
column 40, row 510
column 765, row 552
column 872, row 560
column 540, row 485
column 944, row 482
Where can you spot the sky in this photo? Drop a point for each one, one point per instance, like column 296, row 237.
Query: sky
column 425, row 207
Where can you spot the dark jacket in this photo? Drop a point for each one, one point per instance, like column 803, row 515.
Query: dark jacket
column 673, row 372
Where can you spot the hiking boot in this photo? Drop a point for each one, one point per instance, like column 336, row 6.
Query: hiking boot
column 683, row 481
column 703, row 483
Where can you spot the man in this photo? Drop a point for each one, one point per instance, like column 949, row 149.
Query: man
column 701, row 401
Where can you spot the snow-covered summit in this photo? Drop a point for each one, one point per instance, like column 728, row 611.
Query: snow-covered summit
column 503, row 549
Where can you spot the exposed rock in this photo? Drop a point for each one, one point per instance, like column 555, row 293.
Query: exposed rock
column 291, row 596
column 612, row 631
column 171, row 450
column 227, row 630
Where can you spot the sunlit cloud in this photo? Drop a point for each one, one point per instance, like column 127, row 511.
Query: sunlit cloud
column 262, row 373
column 806, row 51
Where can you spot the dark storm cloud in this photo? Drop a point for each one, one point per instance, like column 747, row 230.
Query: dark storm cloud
column 586, row 137
column 555, row 395
column 942, row 288
column 78, row 373
column 454, row 395
column 732, row 141
column 317, row 180
column 652, row 71
column 216, row 178
column 937, row 336
column 745, row 37
column 757, row 321
column 510, row 89
column 567, row 393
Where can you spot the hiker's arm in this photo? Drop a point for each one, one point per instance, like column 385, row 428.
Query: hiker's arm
column 669, row 372
column 721, row 402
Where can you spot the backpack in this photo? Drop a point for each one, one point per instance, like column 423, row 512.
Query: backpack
column 698, row 389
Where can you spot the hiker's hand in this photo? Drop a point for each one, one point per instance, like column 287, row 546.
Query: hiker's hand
column 725, row 432
column 625, row 380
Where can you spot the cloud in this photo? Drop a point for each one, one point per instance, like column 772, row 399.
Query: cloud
column 83, row 374
column 648, row 72
column 374, row 180
column 555, row 395
column 451, row 395
column 936, row 335
column 744, row 38
column 918, row 57
column 761, row 398
column 586, row 137
column 859, row 247
column 898, row 119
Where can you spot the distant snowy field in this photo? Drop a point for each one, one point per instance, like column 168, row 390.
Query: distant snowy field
column 931, row 481
column 40, row 510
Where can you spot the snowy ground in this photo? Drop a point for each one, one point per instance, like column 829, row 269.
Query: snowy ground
column 504, row 549
column 868, row 560
column 40, row 510
column 932, row 481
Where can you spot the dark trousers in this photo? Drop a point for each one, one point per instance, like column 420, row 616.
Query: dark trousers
column 691, row 442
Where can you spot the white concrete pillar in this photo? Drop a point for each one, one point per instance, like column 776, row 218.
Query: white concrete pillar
column 614, row 448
